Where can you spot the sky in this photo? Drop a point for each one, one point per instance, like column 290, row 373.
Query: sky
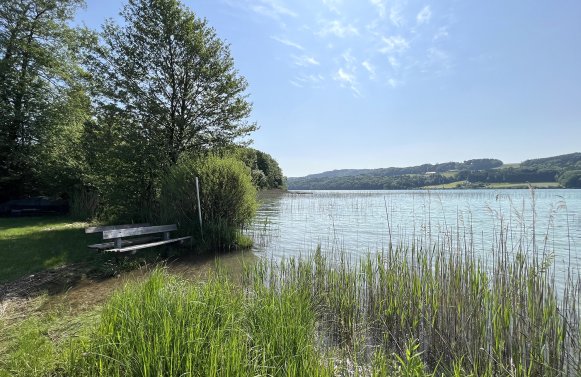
column 339, row 84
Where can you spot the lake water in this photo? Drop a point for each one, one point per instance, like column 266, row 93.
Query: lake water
column 355, row 223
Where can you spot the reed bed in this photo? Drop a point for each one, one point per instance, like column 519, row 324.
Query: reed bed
column 457, row 316
column 403, row 312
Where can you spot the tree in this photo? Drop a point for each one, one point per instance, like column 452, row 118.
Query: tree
column 167, row 70
column 571, row 179
column 38, row 76
column 265, row 171
column 170, row 84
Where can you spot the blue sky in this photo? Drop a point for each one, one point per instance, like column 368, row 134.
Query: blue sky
column 378, row 83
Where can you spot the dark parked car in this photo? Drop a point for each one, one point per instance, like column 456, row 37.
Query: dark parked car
column 40, row 205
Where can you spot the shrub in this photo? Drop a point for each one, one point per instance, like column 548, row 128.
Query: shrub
column 227, row 198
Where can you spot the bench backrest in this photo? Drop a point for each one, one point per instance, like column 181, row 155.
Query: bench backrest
column 99, row 229
column 127, row 232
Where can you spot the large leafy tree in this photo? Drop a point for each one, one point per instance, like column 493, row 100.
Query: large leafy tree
column 166, row 87
column 39, row 77
column 168, row 71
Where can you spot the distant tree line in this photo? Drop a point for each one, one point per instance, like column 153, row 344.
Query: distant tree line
column 365, row 182
column 508, row 175
column 563, row 169
column 476, row 164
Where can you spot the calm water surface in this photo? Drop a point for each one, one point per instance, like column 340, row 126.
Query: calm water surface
column 543, row 222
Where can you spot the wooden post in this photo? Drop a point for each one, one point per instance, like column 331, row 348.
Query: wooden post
column 199, row 207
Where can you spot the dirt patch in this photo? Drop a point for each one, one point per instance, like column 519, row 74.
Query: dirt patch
column 52, row 281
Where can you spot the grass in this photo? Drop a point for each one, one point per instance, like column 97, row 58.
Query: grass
column 404, row 312
column 29, row 245
column 169, row 327
column 32, row 244
column 32, row 337
column 414, row 309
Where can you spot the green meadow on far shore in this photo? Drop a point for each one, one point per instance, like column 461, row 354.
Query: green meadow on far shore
column 463, row 184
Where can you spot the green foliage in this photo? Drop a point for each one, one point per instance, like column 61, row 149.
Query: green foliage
column 266, row 173
column 166, row 71
column 411, row 364
column 167, row 327
column 166, row 87
column 571, row 161
column 227, row 196
column 363, row 182
column 571, row 179
column 39, row 75
column 321, row 317
column 123, row 169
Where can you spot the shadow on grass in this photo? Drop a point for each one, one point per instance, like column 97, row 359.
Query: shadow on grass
column 44, row 255
column 30, row 245
column 50, row 255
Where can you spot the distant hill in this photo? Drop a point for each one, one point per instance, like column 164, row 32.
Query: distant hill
column 476, row 164
column 485, row 172
column 570, row 161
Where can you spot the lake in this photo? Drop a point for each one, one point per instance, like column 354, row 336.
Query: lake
column 545, row 223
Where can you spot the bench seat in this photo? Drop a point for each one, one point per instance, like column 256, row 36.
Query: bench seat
column 108, row 245
column 122, row 238
column 143, row 246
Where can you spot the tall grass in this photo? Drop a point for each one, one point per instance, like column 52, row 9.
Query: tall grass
column 169, row 327
column 458, row 316
column 405, row 312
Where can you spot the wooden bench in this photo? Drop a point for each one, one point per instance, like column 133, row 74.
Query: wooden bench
column 118, row 234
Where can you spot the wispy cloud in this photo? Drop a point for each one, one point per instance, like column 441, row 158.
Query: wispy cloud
column 348, row 57
column 273, row 9
column 338, row 29
column 393, row 82
column 370, row 68
column 396, row 16
column 348, row 80
column 384, row 42
column 303, row 80
column 304, row 60
column 442, row 33
column 394, row 43
column 424, row 15
column 380, row 5
column 288, row 42
column 393, row 62
column 333, row 5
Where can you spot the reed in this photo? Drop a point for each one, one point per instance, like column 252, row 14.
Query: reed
column 405, row 312
column 458, row 315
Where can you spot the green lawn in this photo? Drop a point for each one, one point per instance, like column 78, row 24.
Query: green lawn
column 32, row 244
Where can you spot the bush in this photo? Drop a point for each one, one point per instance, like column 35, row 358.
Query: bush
column 227, row 196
